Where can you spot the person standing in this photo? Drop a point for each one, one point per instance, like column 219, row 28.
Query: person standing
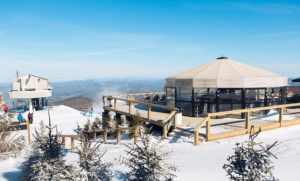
column 85, row 110
column 5, row 108
column 20, row 117
column 30, row 117
column 91, row 112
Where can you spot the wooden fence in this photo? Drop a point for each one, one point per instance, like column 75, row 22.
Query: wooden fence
column 208, row 136
column 131, row 102
column 94, row 132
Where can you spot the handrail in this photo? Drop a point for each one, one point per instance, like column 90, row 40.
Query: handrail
column 169, row 117
column 108, row 129
column 201, row 124
column 138, row 94
column 247, row 111
column 141, row 102
column 253, row 109
column 95, row 135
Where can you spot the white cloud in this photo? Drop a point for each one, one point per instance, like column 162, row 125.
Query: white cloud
column 26, row 18
column 106, row 52
column 55, row 70
column 277, row 34
column 269, row 8
column 289, row 70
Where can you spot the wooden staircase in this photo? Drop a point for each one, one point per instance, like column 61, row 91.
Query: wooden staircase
column 179, row 132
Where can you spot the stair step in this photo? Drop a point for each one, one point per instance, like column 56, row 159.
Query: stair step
column 181, row 133
column 186, row 130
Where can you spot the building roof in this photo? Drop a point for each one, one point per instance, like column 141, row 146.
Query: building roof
column 29, row 75
column 226, row 73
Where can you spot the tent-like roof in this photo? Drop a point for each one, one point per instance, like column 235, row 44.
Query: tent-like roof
column 226, row 73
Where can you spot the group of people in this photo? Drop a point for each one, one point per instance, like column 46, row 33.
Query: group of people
column 21, row 119
column 90, row 111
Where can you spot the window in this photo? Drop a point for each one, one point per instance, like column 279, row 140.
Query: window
column 184, row 94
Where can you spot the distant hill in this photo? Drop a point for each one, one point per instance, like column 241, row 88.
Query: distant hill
column 87, row 91
column 94, row 89
column 77, row 103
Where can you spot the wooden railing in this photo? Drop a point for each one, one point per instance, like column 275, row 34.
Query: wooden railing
column 246, row 130
column 137, row 94
column 131, row 102
column 94, row 132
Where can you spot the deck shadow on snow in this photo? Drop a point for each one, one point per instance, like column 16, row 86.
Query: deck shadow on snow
column 12, row 176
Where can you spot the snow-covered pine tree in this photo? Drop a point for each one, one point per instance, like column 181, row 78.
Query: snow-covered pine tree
column 105, row 123
column 251, row 162
column 137, row 121
column 90, row 163
column 10, row 144
column 45, row 162
column 97, row 123
column 146, row 162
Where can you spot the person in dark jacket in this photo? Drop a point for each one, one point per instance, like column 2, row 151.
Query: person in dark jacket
column 85, row 110
column 30, row 117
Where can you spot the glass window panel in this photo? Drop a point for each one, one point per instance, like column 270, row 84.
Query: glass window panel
column 228, row 96
column 184, row 94
column 186, row 108
column 170, row 97
column 204, row 95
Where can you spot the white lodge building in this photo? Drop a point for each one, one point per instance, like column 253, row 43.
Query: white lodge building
column 35, row 89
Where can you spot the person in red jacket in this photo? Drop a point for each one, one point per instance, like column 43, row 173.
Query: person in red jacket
column 5, row 108
column 30, row 117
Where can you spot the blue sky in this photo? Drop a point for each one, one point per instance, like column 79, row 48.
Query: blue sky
column 72, row 39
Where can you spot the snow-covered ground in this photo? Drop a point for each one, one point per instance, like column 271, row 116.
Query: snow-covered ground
column 203, row 162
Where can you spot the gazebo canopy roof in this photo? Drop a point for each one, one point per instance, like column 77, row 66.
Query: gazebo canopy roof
column 226, row 73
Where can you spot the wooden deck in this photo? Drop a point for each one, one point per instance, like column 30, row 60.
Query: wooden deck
column 207, row 128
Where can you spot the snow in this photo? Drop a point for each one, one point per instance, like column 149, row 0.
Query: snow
column 203, row 162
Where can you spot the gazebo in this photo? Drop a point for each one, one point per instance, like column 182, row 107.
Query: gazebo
column 222, row 85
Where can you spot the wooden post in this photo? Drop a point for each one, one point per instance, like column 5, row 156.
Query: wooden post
column 105, row 136
column 115, row 104
column 95, row 136
column 72, row 143
column 119, row 136
column 130, row 108
column 196, row 137
column 103, row 101
column 208, row 128
column 247, row 126
column 175, row 121
column 3, row 135
column 64, row 142
column 165, row 131
column 135, row 135
column 28, row 131
column 149, row 113
column 280, row 115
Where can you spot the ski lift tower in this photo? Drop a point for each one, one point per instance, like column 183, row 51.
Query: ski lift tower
column 36, row 90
